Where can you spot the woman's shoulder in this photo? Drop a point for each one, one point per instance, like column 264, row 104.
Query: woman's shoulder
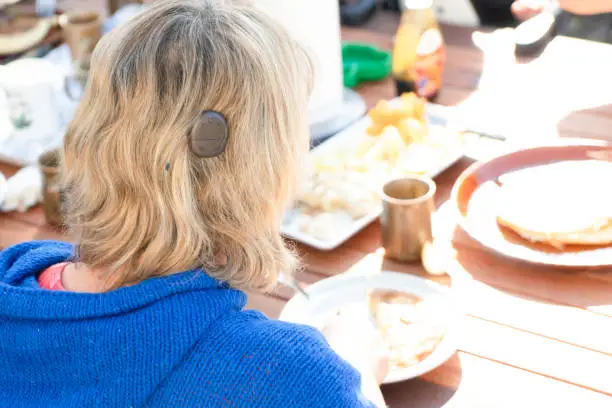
column 252, row 328
column 286, row 343
column 273, row 363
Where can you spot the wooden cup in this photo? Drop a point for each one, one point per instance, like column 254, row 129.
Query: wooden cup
column 114, row 5
column 406, row 219
column 82, row 31
column 49, row 163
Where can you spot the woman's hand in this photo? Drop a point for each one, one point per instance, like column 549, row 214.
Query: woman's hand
column 354, row 338
column 526, row 9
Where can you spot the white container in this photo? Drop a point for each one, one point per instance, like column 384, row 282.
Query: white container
column 34, row 109
column 459, row 12
column 28, row 87
column 316, row 24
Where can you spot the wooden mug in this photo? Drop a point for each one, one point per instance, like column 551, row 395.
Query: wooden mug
column 408, row 204
column 49, row 163
column 114, row 5
column 82, row 31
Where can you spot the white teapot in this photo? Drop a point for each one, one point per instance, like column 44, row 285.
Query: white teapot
column 30, row 111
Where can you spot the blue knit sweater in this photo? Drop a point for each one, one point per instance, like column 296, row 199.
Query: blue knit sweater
column 178, row 341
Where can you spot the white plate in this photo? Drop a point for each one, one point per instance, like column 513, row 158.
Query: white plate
column 437, row 114
column 329, row 295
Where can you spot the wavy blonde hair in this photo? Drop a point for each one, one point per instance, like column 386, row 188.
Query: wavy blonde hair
column 139, row 203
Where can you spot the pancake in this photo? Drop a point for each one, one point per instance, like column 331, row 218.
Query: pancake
column 559, row 204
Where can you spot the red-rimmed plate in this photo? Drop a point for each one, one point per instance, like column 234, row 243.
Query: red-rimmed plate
column 477, row 190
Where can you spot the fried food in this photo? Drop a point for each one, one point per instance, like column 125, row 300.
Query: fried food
column 541, row 205
column 386, row 114
column 412, row 130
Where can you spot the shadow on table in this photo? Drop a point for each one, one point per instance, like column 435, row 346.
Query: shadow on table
column 522, row 281
column 423, row 392
column 592, row 123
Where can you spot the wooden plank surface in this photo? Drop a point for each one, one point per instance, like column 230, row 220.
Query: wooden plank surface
column 532, row 337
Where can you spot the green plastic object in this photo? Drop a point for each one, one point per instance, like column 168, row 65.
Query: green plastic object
column 363, row 63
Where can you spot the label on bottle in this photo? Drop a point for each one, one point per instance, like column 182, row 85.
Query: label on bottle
column 417, row 4
column 429, row 63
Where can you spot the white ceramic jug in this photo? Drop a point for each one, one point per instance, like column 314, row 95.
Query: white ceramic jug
column 316, row 24
column 29, row 90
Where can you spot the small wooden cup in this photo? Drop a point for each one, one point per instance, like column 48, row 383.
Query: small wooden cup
column 49, row 163
column 82, row 31
column 114, row 5
column 408, row 204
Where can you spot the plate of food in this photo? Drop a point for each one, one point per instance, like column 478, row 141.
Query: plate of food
column 417, row 318
column 545, row 205
column 339, row 195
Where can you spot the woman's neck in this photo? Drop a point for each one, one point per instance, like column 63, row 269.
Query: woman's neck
column 78, row 277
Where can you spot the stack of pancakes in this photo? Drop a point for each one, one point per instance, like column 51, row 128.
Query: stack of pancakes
column 568, row 203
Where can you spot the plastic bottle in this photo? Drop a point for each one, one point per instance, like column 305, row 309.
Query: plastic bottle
column 419, row 52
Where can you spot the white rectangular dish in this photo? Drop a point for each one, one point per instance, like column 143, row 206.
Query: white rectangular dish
column 346, row 227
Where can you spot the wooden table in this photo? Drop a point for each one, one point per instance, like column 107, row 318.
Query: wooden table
column 533, row 337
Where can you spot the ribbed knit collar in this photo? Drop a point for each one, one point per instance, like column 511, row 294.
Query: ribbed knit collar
column 22, row 298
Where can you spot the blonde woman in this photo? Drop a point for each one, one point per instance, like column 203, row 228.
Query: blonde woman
column 177, row 166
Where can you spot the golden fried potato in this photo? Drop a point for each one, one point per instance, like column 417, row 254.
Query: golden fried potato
column 375, row 129
column 388, row 114
column 409, row 98
column 419, row 110
column 401, row 112
column 407, row 117
column 385, row 114
column 388, row 147
column 412, row 130
column 416, row 103
column 381, row 113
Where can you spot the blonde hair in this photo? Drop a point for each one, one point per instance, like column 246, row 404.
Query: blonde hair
column 139, row 203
